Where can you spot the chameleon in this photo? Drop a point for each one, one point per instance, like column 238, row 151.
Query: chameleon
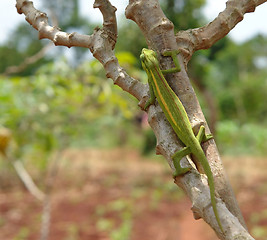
column 176, row 115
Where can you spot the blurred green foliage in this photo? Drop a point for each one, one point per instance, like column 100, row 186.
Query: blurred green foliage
column 60, row 106
column 184, row 14
column 237, row 80
column 52, row 104
column 237, row 77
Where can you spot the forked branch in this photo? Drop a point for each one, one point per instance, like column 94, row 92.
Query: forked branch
column 101, row 43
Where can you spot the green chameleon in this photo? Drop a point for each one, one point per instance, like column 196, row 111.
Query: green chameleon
column 177, row 117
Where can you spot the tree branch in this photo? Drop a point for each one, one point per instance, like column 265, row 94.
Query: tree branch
column 101, row 43
column 204, row 37
column 5, row 142
column 39, row 21
column 27, row 61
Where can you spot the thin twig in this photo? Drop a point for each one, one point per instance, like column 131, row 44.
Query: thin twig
column 27, row 61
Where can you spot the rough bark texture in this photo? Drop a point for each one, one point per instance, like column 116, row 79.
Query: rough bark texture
column 159, row 34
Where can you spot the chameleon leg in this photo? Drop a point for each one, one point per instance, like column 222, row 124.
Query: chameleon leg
column 201, row 136
column 173, row 55
column 176, row 161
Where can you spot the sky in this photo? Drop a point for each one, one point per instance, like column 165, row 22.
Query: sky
column 253, row 23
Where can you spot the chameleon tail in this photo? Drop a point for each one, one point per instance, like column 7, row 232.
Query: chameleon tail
column 205, row 164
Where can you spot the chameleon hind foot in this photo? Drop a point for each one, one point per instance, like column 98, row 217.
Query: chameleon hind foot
column 180, row 171
column 177, row 157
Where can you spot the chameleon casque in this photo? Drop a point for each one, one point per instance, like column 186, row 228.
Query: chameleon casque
column 176, row 115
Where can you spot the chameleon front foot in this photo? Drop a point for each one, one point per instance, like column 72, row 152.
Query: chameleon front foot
column 202, row 136
column 173, row 55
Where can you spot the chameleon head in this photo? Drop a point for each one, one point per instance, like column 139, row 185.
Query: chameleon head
column 148, row 58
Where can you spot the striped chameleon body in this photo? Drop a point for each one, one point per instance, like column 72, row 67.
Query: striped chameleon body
column 177, row 117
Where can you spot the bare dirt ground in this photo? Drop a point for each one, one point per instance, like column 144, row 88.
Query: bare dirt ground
column 117, row 194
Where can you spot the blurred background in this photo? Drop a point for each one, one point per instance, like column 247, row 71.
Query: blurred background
column 77, row 155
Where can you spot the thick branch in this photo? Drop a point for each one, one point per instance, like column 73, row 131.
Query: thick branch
column 204, row 37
